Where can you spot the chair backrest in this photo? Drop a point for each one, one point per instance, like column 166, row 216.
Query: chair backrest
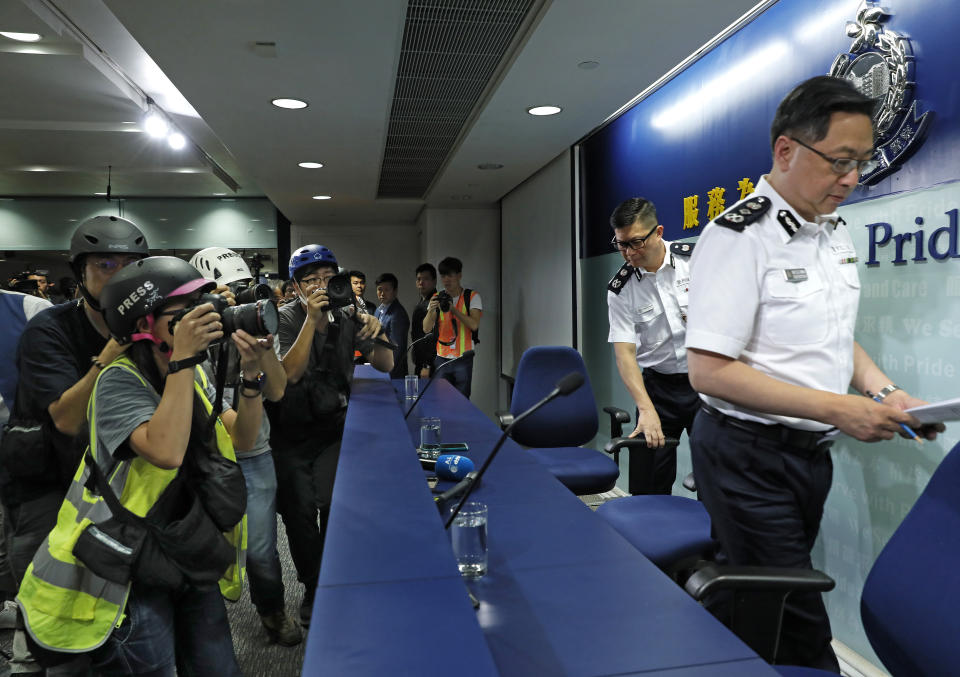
column 568, row 421
column 911, row 598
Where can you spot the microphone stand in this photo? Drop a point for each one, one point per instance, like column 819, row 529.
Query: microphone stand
column 565, row 386
column 467, row 353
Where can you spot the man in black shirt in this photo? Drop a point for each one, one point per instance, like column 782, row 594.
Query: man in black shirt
column 60, row 354
column 424, row 352
column 317, row 346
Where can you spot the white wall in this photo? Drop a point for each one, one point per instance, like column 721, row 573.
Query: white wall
column 372, row 249
column 473, row 236
column 537, row 255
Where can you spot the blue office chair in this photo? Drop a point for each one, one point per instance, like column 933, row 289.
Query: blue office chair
column 911, row 596
column 554, row 433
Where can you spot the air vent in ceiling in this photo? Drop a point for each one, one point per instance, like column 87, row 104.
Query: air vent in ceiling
column 450, row 51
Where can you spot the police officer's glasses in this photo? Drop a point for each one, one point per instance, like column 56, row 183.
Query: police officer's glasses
column 636, row 243
column 843, row 165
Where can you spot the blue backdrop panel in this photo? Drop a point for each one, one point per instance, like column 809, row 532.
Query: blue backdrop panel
column 709, row 126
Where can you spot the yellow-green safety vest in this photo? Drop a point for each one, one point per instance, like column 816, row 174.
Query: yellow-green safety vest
column 65, row 606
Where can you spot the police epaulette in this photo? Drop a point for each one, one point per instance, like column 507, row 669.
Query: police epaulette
column 618, row 281
column 744, row 213
column 682, row 248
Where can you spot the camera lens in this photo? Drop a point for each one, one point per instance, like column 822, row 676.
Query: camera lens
column 254, row 293
column 257, row 319
column 339, row 291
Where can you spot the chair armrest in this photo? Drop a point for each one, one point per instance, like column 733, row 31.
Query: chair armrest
column 618, row 443
column 618, row 417
column 505, row 418
column 713, row 578
column 757, row 599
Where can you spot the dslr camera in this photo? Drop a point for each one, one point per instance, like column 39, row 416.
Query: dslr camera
column 258, row 318
column 339, row 291
column 445, row 300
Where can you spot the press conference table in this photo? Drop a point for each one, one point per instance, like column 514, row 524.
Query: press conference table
column 564, row 594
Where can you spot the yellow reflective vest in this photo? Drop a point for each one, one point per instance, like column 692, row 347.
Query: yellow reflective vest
column 65, row 606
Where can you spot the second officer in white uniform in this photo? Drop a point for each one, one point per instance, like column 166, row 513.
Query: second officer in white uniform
column 647, row 309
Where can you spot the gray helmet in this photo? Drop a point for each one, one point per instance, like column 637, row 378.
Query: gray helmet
column 107, row 235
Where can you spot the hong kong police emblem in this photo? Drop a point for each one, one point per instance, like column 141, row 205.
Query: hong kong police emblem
column 880, row 64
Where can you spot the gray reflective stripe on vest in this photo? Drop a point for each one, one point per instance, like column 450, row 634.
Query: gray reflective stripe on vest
column 49, row 569
column 99, row 511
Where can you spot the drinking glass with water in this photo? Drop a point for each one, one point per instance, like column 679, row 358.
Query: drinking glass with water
column 468, row 533
column 430, row 436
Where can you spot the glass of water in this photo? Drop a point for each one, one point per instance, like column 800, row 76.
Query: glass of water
column 411, row 386
column 430, row 435
column 468, row 534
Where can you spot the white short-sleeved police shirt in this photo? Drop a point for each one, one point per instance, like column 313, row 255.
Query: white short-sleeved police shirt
column 649, row 309
column 781, row 296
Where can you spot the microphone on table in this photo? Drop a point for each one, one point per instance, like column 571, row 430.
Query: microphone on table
column 565, row 386
column 452, row 466
column 466, row 353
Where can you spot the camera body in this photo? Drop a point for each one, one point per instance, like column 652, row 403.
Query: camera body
column 445, row 300
column 339, row 291
column 257, row 319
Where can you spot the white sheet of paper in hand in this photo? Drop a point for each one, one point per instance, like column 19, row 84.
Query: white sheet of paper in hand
column 937, row 412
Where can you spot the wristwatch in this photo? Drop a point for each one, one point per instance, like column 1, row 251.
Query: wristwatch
column 252, row 384
column 886, row 390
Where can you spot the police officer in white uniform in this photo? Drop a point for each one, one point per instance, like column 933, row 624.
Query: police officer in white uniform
column 771, row 349
column 647, row 310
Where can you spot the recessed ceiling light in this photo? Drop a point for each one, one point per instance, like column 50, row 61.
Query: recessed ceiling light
column 227, row 199
column 177, row 141
column 310, row 165
column 270, row 230
column 490, row 165
column 544, row 110
column 21, row 37
column 322, row 197
column 189, row 229
column 291, row 104
column 100, row 194
column 218, row 194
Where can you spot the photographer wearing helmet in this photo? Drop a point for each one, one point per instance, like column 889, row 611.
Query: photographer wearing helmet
column 227, row 269
column 154, row 432
column 60, row 355
column 318, row 336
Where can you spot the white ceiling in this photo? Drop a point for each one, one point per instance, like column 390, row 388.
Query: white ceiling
column 65, row 112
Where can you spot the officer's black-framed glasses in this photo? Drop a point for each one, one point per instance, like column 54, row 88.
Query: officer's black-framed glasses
column 843, row 165
column 635, row 244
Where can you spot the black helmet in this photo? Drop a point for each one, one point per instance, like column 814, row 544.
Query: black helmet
column 141, row 288
column 103, row 235
column 107, row 235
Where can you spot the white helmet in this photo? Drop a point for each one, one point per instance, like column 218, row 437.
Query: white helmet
column 221, row 265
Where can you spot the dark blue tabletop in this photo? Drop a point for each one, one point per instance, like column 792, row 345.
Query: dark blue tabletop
column 564, row 595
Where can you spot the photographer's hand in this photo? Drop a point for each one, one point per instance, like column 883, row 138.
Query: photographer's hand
column 371, row 327
column 317, row 305
column 195, row 331
column 251, row 351
column 226, row 293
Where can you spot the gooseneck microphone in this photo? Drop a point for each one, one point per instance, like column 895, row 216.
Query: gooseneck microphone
column 565, row 386
column 466, row 353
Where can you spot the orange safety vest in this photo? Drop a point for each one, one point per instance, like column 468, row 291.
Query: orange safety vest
column 448, row 343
